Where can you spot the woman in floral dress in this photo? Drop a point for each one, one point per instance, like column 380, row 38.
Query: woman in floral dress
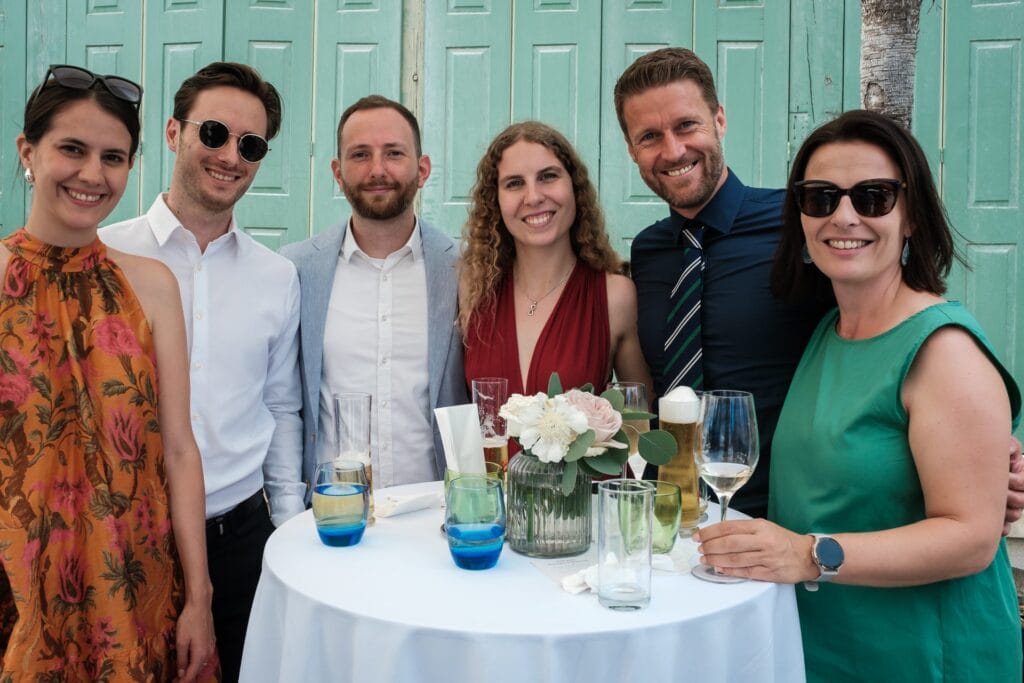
column 95, row 585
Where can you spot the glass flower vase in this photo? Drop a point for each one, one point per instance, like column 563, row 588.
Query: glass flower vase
column 541, row 521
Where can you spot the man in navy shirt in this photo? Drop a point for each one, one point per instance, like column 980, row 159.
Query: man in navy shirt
column 752, row 341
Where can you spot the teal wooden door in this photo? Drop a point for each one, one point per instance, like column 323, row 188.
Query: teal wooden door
column 983, row 174
column 273, row 37
column 358, row 53
column 467, row 98
column 12, row 106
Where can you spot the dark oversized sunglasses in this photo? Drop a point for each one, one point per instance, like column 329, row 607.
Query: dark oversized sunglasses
column 214, row 135
column 870, row 198
column 82, row 79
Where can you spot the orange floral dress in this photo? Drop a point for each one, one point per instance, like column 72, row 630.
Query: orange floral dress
column 93, row 584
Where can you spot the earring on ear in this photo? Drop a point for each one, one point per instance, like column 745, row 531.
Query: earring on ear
column 905, row 254
column 805, row 255
column 29, row 177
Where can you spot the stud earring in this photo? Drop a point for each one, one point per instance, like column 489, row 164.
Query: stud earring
column 29, row 178
column 905, row 254
column 805, row 255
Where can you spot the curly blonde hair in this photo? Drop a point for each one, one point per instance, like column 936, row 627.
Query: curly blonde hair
column 489, row 248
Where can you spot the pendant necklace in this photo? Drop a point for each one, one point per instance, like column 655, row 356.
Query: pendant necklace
column 535, row 302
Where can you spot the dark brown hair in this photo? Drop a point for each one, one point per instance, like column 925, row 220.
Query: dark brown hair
column 381, row 102
column 659, row 68
column 230, row 75
column 931, row 240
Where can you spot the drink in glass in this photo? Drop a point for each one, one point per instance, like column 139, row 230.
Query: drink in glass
column 489, row 394
column 679, row 415
column 624, row 514
column 340, row 502
column 475, row 521
column 634, row 397
column 667, row 508
column 352, row 430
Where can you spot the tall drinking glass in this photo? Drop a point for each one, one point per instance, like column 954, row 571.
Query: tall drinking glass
column 679, row 415
column 340, row 502
column 624, row 512
column 729, row 454
column 634, row 396
column 489, row 394
column 475, row 520
column 352, row 429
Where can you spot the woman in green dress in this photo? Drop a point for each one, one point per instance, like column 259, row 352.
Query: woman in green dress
column 889, row 472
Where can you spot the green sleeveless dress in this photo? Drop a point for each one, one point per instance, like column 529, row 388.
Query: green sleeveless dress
column 842, row 463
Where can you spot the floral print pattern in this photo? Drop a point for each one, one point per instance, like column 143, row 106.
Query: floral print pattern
column 91, row 585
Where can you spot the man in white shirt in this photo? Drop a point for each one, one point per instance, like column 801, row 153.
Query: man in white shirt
column 241, row 303
column 379, row 296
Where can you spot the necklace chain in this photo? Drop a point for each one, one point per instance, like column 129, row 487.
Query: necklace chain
column 534, row 302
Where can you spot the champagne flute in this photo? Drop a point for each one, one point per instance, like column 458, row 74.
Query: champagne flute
column 489, row 394
column 634, row 396
column 728, row 455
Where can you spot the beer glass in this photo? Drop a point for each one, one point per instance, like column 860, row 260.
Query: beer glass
column 634, row 396
column 489, row 394
column 728, row 454
column 340, row 502
column 679, row 415
column 352, row 433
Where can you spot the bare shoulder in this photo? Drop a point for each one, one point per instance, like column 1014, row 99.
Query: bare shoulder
column 153, row 282
column 951, row 362
column 5, row 256
column 621, row 292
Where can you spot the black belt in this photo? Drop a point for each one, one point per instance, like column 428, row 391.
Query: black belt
column 236, row 516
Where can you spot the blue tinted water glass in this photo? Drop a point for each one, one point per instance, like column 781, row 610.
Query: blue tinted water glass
column 475, row 521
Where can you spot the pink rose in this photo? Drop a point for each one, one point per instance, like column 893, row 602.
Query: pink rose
column 115, row 336
column 601, row 417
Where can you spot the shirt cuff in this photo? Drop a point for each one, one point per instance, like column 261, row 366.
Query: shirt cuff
column 284, row 507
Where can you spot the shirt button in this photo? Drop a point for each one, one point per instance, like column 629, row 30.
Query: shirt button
column 383, row 361
column 384, row 404
column 385, row 277
column 199, row 316
column 197, row 365
column 384, row 318
column 199, row 267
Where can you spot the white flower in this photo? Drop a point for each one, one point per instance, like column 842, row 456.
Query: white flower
column 521, row 410
column 558, row 426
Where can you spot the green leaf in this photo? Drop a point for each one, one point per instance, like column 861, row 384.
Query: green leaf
column 578, row 448
column 634, row 414
column 569, row 478
column 609, row 462
column 554, row 385
column 614, row 396
column 657, row 447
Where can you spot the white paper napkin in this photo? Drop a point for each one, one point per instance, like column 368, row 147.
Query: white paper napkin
column 678, row 561
column 459, row 427
column 399, row 505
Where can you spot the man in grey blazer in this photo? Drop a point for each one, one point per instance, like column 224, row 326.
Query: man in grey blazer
column 378, row 304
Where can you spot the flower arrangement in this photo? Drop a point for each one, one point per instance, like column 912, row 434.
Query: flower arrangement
column 580, row 429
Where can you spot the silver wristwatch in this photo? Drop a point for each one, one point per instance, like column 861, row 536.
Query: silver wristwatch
column 828, row 556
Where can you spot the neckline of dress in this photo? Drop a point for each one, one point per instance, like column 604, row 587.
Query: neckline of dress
column 45, row 256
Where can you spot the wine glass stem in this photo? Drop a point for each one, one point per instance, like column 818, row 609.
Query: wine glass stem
column 723, row 504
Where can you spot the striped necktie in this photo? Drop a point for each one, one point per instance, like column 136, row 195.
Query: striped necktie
column 683, row 363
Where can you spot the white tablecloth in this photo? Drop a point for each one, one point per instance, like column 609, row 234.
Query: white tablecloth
column 395, row 609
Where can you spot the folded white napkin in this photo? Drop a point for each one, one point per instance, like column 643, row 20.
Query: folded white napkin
column 459, row 427
column 676, row 562
column 399, row 505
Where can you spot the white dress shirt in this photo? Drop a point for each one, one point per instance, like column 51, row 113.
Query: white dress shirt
column 241, row 306
column 375, row 341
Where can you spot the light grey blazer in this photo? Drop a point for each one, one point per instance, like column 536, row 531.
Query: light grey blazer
column 316, row 260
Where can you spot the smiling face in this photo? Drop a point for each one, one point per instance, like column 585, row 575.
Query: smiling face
column 845, row 246
column 675, row 138
column 214, row 179
column 378, row 169
column 535, row 195
column 81, row 168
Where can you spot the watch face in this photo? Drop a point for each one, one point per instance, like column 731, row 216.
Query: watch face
column 829, row 552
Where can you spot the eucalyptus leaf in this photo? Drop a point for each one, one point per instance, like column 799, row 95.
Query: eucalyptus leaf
column 554, row 385
column 614, row 396
column 588, row 387
column 657, row 447
column 569, row 478
column 609, row 462
column 578, row 448
column 634, row 414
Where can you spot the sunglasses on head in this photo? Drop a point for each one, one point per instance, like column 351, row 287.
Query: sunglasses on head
column 214, row 135
column 870, row 198
column 82, row 79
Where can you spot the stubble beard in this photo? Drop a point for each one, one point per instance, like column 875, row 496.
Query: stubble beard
column 697, row 197
column 376, row 211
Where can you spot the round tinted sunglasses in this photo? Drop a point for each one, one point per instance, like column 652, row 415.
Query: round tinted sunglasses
column 870, row 198
column 214, row 135
column 82, row 79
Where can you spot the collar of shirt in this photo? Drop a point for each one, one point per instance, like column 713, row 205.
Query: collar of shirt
column 165, row 224
column 413, row 246
column 719, row 214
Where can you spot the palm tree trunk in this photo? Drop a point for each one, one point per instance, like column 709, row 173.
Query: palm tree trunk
column 888, row 38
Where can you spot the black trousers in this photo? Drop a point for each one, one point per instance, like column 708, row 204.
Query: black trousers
column 234, row 551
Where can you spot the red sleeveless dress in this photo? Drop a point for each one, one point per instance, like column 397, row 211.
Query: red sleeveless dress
column 575, row 341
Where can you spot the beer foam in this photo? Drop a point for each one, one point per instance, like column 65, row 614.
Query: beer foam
column 680, row 406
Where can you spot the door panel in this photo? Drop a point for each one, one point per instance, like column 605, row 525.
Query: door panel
column 12, row 106
column 272, row 37
column 468, row 47
column 358, row 53
column 105, row 37
column 984, row 164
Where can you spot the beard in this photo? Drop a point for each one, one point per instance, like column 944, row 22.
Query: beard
column 713, row 164
column 380, row 208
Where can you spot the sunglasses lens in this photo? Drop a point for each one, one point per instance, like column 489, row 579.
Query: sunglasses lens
column 72, row 77
column 873, row 199
column 213, row 134
column 817, row 201
column 252, row 148
column 123, row 88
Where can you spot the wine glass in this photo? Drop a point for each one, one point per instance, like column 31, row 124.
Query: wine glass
column 728, row 455
column 634, row 395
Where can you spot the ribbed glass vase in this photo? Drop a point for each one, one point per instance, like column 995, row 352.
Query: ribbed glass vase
column 541, row 521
